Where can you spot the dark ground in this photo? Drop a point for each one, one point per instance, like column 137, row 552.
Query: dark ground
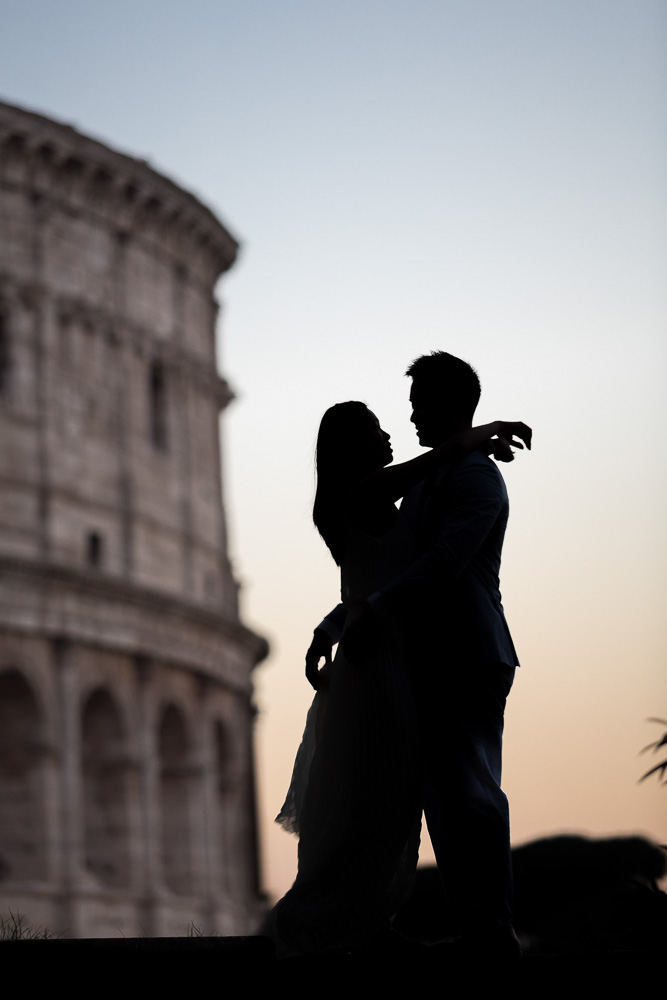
column 247, row 968
column 590, row 915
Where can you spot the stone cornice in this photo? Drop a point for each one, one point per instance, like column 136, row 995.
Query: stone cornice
column 48, row 156
column 96, row 610
column 141, row 339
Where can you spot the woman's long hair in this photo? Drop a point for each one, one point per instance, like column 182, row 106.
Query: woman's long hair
column 341, row 459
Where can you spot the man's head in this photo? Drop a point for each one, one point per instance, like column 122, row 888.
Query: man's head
column 444, row 395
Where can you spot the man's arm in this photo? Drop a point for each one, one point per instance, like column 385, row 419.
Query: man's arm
column 332, row 624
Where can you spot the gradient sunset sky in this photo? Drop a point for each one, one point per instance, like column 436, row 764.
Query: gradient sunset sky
column 486, row 177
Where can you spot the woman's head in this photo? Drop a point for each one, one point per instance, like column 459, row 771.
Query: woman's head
column 350, row 445
column 350, row 442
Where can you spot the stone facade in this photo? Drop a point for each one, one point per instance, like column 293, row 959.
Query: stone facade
column 126, row 766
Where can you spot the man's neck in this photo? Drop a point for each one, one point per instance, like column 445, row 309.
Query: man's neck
column 455, row 427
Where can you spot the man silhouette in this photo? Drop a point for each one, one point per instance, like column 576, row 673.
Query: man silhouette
column 461, row 651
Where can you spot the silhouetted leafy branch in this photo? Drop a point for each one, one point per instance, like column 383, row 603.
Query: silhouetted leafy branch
column 660, row 768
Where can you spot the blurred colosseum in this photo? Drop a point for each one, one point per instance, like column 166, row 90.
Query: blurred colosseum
column 127, row 798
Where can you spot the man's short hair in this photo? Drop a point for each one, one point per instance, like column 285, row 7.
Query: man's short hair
column 455, row 379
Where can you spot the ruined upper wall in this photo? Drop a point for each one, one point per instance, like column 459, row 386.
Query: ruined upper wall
column 109, row 390
column 47, row 157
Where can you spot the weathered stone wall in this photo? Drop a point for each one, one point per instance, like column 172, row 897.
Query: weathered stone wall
column 123, row 778
column 111, row 394
column 126, row 771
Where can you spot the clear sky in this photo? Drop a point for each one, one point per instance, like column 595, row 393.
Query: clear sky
column 485, row 177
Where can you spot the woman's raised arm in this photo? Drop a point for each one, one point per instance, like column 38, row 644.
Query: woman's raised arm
column 394, row 481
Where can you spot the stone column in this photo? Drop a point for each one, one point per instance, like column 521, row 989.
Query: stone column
column 70, row 832
column 210, row 840
column 198, row 804
column 124, row 407
column 150, row 887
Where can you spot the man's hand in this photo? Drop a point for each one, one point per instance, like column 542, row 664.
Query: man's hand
column 319, row 647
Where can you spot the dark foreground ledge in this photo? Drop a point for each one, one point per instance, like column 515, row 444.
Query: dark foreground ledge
column 247, row 967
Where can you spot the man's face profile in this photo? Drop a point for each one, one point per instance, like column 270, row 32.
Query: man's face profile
column 429, row 413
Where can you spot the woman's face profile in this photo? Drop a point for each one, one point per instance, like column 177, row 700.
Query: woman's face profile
column 378, row 443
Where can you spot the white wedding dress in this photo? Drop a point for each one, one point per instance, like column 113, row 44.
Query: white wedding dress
column 355, row 795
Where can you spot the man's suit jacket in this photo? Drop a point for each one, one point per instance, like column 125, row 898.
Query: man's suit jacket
column 451, row 592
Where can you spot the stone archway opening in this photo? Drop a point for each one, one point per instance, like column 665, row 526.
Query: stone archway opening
column 23, row 847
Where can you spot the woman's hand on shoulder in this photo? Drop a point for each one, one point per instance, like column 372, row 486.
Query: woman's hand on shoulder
column 509, row 434
column 510, row 430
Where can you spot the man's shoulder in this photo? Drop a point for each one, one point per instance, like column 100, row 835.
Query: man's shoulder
column 476, row 461
column 478, row 468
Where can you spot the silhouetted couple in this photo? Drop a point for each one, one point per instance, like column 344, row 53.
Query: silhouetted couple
column 409, row 715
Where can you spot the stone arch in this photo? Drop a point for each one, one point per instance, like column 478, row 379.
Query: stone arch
column 175, row 793
column 105, row 790
column 23, row 848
